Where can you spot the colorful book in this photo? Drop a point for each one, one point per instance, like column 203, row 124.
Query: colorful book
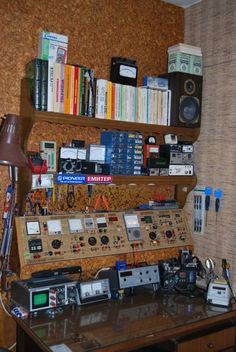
column 109, row 99
column 76, row 90
column 56, row 86
column 67, row 88
column 62, row 85
column 101, row 99
column 44, row 85
column 34, row 76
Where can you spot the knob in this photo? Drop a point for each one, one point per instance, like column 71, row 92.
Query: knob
column 56, row 244
column 168, row 234
column 152, row 235
column 92, row 241
column 104, row 240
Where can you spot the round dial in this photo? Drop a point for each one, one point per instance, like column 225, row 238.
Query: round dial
column 92, row 241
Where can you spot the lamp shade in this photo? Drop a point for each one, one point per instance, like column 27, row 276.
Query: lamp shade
column 10, row 148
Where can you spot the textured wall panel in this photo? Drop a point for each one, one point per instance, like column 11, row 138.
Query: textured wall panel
column 211, row 25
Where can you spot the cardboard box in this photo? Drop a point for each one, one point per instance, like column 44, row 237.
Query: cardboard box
column 179, row 62
column 53, row 47
column 196, row 65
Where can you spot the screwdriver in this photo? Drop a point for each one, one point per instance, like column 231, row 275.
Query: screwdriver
column 208, row 193
column 218, row 195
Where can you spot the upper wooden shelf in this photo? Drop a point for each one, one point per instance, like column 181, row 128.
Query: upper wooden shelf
column 27, row 111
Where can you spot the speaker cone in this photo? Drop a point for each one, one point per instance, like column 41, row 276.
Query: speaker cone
column 189, row 109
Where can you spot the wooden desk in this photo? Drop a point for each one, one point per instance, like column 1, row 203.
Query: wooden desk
column 130, row 324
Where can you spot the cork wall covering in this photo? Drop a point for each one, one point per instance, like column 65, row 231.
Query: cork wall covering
column 97, row 30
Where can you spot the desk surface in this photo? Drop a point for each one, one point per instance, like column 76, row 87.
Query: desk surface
column 131, row 323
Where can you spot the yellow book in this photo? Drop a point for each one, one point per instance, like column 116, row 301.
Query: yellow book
column 109, row 99
column 67, row 88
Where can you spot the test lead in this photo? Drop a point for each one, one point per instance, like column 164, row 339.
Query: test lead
column 208, row 193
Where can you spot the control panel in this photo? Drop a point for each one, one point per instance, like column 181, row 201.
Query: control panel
column 74, row 236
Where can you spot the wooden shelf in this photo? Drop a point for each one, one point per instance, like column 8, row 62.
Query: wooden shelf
column 183, row 184
column 28, row 112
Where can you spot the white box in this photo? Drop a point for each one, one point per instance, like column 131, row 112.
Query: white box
column 185, row 48
column 53, row 46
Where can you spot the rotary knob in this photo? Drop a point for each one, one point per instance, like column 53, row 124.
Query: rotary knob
column 56, row 244
column 168, row 234
column 92, row 241
column 152, row 235
column 104, row 240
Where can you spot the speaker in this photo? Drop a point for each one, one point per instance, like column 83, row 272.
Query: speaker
column 186, row 99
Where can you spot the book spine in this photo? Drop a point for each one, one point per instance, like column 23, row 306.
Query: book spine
column 72, row 82
column 67, row 87
column 109, row 99
column 101, row 97
column 91, row 94
column 62, row 85
column 86, row 92
column 81, row 91
column 44, row 85
column 34, row 75
column 50, row 86
column 56, row 86
column 76, row 87
column 113, row 101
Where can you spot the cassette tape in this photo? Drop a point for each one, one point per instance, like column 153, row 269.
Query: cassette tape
column 181, row 170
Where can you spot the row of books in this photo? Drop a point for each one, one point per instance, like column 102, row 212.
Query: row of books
column 62, row 88
column 135, row 104
column 72, row 89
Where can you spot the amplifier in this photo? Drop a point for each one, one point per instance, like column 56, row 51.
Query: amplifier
column 37, row 294
column 133, row 277
column 180, row 170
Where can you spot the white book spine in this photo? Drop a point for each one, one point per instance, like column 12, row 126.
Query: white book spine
column 101, row 96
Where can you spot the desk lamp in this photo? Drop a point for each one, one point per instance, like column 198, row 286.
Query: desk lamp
column 11, row 155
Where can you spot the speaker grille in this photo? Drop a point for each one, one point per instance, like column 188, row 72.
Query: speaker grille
column 189, row 109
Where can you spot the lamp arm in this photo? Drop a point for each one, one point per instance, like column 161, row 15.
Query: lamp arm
column 7, row 234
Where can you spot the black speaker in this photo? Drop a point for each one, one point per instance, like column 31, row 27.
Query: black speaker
column 186, row 99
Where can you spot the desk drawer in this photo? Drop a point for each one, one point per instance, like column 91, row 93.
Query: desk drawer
column 216, row 341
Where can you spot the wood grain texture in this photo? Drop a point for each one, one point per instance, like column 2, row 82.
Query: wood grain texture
column 97, row 30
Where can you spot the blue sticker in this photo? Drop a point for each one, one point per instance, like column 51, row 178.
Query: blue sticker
column 75, row 179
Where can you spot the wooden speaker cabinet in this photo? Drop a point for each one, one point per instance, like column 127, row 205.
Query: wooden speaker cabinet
column 186, row 99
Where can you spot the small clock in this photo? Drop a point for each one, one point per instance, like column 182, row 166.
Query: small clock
column 124, row 71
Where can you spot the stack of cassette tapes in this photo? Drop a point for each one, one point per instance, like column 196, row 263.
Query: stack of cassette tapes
column 124, row 152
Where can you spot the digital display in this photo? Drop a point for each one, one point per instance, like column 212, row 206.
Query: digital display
column 148, row 219
column 131, row 221
column 75, row 225
column 218, row 288
column 113, row 218
column 126, row 273
column 40, row 299
column 32, row 228
column 54, row 227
